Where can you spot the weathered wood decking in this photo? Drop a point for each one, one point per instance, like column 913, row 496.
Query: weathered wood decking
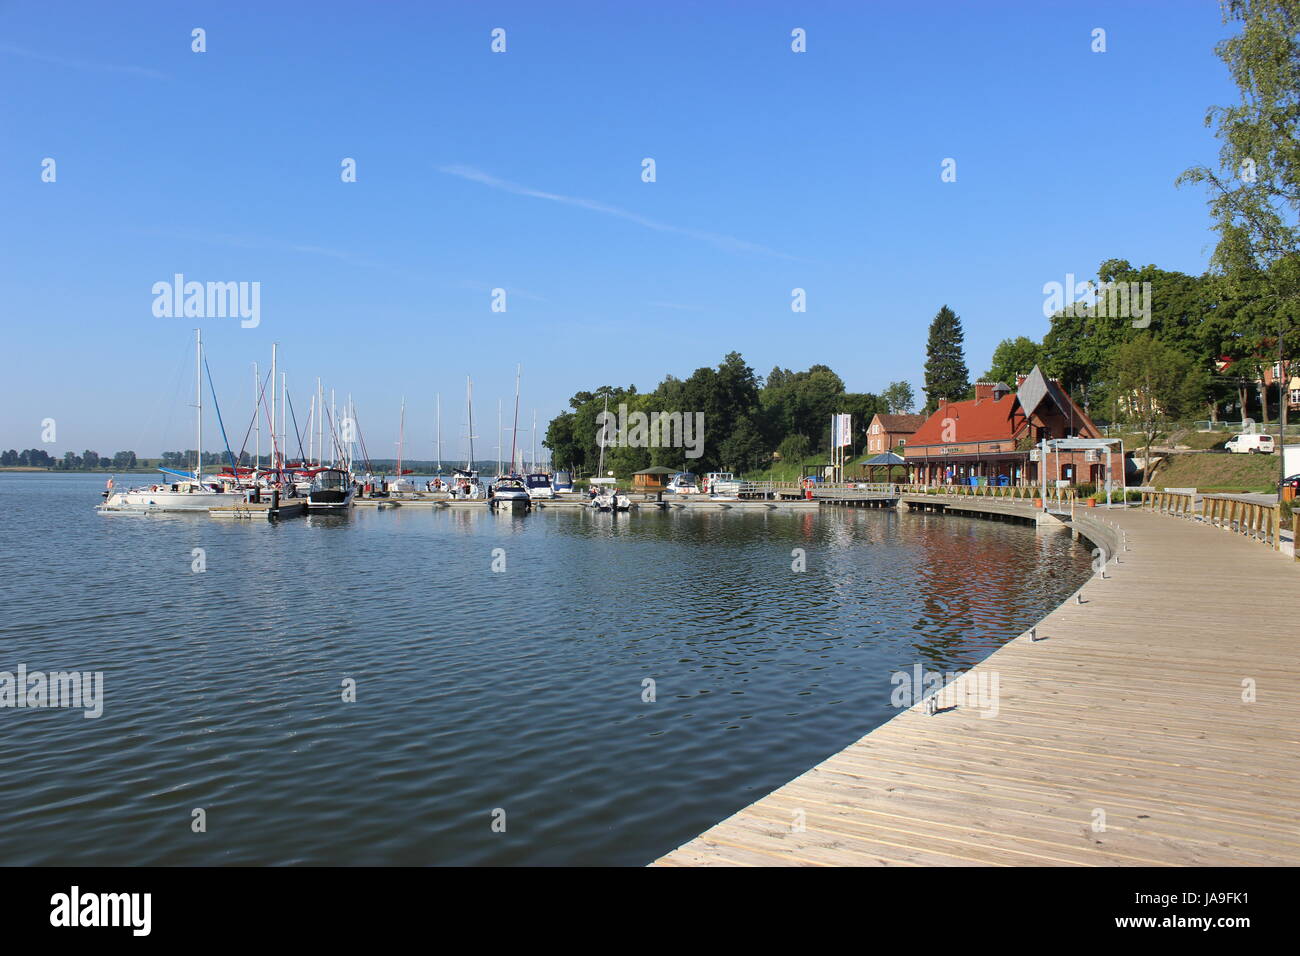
column 1121, row 736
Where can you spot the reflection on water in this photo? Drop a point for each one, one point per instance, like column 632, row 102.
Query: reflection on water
column 520, row 690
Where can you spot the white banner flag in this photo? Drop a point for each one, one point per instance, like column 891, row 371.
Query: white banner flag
column 843, row 430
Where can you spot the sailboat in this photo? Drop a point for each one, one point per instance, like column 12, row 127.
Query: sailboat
column 401, row 484
column 178, row 491
column 464, row 481
column 510, row 492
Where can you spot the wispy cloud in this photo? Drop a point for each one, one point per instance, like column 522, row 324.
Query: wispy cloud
column 264, row 244
column 75, row 63
column 273, row 245
column 725, row 242
column 680, row 307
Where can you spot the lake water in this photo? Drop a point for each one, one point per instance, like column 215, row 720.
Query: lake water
column 476, row 691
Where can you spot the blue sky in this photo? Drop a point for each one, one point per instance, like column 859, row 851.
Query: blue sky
column 522, row 170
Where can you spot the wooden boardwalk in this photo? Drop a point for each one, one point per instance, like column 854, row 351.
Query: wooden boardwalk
column 1121, row 735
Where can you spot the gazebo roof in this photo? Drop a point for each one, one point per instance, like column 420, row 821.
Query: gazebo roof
column 886, row 458
column 655, row 470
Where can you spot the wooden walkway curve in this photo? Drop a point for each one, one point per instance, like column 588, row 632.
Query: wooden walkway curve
column 1121, row 737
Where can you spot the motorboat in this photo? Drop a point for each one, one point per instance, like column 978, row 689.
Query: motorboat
column 331, row 490
column 401, row 486
column 607, row 497
column 682, row 483
column 721, row 484
column 562, row 482
column 539, row 486
column 510, row 494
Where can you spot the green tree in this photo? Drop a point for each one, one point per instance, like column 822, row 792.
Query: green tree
column 1154, row 385
column 794, row 449
column 742, row 447
column 1012, row 358
column 898, row 398
column 802, row 404
column 1255, row 193
column 946, row 375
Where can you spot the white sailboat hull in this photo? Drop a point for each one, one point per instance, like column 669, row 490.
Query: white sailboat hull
column 167, row 500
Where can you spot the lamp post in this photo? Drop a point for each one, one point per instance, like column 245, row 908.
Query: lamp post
column 1042, row 471
column 1284, row 397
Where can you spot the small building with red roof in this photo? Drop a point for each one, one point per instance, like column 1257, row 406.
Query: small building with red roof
column 887, row 432
column 996, row 436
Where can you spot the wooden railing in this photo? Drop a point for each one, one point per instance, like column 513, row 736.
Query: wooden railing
column 1259, row 521
column 1061, row 498
column 1170, row 503
column 820, row 489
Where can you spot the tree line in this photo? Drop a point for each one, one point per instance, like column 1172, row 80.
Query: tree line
column 71, row 461
column 1220, row 344
column 747, row 417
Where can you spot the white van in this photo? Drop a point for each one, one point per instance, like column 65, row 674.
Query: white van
column 1254, row 444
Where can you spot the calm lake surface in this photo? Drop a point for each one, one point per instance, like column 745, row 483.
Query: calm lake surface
column 476, row 690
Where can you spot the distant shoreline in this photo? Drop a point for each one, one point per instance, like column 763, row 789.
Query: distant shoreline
column 80, row 471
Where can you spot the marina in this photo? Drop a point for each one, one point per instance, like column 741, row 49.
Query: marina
column 869, row 483
column 760, row 671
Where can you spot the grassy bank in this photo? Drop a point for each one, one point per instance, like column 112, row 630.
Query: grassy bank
column 1210, row 472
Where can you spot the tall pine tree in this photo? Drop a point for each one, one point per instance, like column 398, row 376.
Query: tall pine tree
column 946, row 375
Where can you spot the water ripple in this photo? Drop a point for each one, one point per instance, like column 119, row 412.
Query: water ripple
column 475, row 691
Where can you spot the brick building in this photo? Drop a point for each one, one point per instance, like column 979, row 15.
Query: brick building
column 993, row 437
column 887, row 432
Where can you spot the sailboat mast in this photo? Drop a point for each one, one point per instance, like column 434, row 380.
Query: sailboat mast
column 284, row 427
column 274, row 450
column 401, row 436
column 601, row 467
column 514, row 430
column 499, row 448
column 320, row 422
column 257, row 420
column 198, row 401
column 439, row 399
column 534, row 455
column 469, row 408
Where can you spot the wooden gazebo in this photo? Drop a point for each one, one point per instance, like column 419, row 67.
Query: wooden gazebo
column 651, row 479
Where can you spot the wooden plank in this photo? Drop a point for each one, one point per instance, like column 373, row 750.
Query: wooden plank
column 1135, row 705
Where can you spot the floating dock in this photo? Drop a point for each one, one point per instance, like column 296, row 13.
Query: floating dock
column 261, row 510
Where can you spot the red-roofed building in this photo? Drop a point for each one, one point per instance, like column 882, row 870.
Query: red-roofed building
column 993, row 437
column 887, row 432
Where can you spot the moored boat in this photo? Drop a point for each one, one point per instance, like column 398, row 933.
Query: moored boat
column 331, row 490
column 682, row 483
column 509, row 494
column 180, row 491
column 539, row 485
